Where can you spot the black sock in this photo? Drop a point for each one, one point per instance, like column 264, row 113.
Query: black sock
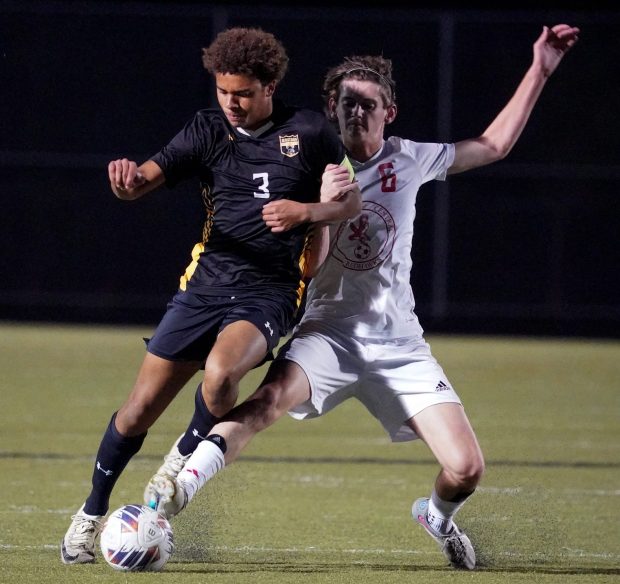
column 115, row 451
column 200, row 426
column 218, row 441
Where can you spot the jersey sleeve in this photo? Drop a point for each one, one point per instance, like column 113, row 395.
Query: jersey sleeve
column 434, row 159
column 181, row 157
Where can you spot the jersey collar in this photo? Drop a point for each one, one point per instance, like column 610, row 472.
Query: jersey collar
column 357, row 164
column 255, row 133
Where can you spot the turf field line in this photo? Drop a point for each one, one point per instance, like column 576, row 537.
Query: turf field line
column 423, row 462
column 566, row 553
column 576, row 464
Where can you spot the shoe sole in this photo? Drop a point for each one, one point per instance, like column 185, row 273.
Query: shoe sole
column 68, row 559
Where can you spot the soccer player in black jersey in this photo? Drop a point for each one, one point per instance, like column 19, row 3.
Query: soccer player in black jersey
column 260, row 164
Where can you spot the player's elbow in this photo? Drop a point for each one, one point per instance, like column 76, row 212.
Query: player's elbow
column 501, row 151
column 486, row 149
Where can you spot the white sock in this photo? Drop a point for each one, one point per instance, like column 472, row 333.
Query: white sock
column 440, row 513
column 206, row 461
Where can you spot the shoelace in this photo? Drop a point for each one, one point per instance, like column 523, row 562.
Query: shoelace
column 176, row 461
column 84, row 531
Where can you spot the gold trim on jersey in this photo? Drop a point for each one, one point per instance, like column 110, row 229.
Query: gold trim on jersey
column 189, row 271
column 207, row 200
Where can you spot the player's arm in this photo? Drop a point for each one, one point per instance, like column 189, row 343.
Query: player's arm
column 129, row 181
column 500, row 137
column 337, row 185
column 340, row 200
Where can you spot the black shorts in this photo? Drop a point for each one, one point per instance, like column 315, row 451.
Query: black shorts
column 189, row 329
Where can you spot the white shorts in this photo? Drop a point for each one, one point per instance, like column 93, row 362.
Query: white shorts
column 394, row 379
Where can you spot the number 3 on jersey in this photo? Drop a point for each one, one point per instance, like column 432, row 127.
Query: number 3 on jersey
column 388, row 177
column 263, row 186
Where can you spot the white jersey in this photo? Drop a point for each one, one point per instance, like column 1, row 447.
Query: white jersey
column 364, row 287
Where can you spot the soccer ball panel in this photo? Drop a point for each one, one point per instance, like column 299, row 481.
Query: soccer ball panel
column 136, row 538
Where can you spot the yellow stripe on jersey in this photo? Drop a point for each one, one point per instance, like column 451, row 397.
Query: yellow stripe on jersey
column 207, row 200
column 189, row 271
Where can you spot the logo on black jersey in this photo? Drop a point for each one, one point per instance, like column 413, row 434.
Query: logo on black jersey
column 289, row 145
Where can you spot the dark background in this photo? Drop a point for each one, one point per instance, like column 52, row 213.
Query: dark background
column 526, row 246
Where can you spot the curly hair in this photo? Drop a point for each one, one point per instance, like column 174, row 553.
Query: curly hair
column 247, row 51
column 368, row 67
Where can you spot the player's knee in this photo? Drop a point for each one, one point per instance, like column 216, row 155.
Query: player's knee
column 133, row 418
column 468, row 471
column 474, row 471
column 220, row 377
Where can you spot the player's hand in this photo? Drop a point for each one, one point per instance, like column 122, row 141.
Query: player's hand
column 552, row 45
column 284, row 215
column 124, row 175
column 335, row 182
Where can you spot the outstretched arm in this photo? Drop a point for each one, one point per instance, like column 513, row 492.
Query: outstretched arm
column 500, row 137
column 129, row 181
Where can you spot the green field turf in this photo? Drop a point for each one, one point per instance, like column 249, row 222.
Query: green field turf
column 326, row 500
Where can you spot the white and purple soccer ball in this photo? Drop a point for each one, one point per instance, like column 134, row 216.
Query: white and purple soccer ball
column 136, row 538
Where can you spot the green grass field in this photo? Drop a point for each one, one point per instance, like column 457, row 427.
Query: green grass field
column 326, row 500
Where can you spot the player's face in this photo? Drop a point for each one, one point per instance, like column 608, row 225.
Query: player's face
column 361, row 113
column 245, row 101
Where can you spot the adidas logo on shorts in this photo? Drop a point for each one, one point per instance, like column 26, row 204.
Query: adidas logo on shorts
column 441, row 386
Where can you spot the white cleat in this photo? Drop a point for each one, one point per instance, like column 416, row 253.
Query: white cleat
column 78, row 545
column 455, row 545
column 174, row 462
column 166, row 495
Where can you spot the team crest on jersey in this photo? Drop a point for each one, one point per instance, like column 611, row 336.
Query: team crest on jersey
column 289, row 145
column 367, row 241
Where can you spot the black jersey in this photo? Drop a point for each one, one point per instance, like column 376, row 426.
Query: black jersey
column 238, row 175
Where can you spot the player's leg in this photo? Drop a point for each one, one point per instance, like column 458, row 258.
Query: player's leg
column 246, row 331
column 158, row 382
column 408, row 392
column 312, row 374
column 239, row 347
column 449, row 435
column 447, row 431
column 284, row 387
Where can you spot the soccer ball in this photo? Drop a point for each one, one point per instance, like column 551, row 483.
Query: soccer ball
column 136, row 538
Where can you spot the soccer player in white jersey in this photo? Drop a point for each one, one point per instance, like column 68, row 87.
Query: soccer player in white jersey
column 359, row 336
